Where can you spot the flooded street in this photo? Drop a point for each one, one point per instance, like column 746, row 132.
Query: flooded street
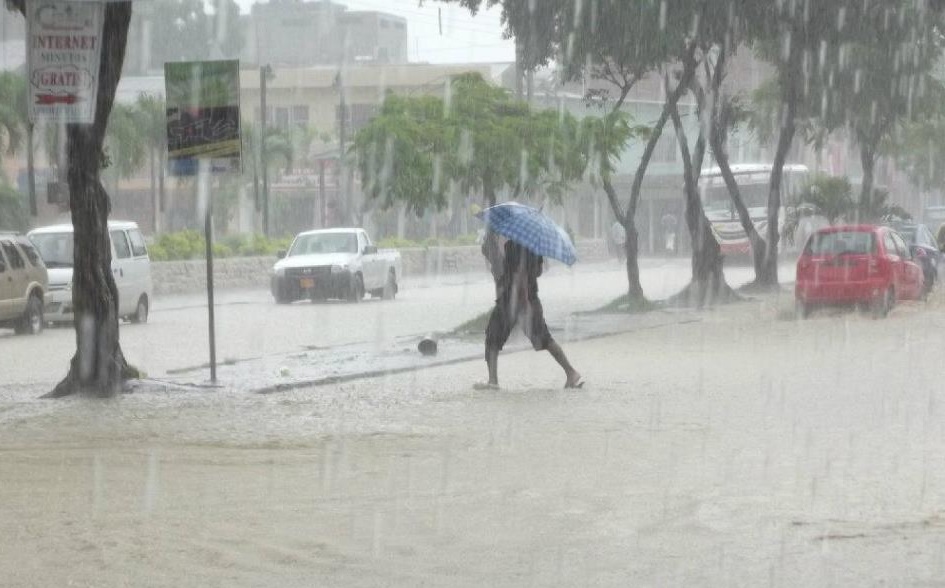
column 745, row 449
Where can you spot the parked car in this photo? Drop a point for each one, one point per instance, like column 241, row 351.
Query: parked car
column 131, row 268
column 869, row 266
column 335, row 263
column 24, row 285
column 924, row 248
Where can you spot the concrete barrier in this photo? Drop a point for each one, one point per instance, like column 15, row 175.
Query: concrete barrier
column 179, row 277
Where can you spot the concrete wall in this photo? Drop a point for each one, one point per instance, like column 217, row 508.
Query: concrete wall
column 178, row 277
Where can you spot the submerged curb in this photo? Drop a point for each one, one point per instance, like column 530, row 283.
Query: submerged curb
column 362, row 375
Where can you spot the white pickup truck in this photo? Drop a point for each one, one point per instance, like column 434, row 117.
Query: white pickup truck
column 334, row 263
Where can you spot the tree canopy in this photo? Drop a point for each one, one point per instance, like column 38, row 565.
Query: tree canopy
column 476, row 139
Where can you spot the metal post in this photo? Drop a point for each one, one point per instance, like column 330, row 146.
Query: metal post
column 31, row 169
column 342, row 139
column 204, row 197
column 264, row 73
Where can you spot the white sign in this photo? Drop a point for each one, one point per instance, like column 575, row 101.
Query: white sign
column 64, row 50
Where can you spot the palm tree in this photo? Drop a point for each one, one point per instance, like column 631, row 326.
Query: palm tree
column 13, row 112
column 152, row 112
column 14, row 128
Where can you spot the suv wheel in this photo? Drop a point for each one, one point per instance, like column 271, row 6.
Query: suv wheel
column 32, row 321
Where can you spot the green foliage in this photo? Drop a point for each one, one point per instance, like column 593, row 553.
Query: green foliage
column 183, row 245
column 13, row 210
column 831, row 196
column 13, row 111
column 125, row 143
column 418, row 150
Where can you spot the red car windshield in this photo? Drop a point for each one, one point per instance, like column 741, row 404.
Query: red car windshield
column 841, row 243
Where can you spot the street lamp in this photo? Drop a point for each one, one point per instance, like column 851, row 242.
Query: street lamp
column 266, row 75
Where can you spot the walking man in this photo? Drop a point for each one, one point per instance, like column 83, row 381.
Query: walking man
column 517, row 303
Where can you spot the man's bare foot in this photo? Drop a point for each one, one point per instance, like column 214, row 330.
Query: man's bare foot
column 574, row 381
column 486, row 386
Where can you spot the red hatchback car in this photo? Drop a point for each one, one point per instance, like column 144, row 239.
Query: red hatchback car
column 865, row 265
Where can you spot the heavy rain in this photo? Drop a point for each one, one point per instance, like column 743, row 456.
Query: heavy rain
column 472, row 293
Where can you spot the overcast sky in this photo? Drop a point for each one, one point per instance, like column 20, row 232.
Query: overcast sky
column 464, row 38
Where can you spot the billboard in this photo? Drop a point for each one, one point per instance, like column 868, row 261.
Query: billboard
column 63, row 51
column 203, row 115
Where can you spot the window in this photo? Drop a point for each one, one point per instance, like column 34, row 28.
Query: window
column 890, row 244
column 16, row 260
column 31, row 254
column 281, row 118
column 3, row 262
column 385, row 24
column 666, row 149
column 122, row 251
column 300, row 116
column 841, row 242
column 359, row 115
column 138, row 248
column 904, row 250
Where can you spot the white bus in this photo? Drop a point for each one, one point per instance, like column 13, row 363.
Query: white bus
column 753, row 182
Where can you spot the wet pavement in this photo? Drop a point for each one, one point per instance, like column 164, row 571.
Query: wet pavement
column 322, row 366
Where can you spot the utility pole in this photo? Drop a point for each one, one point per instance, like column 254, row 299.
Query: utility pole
column 265, row 72
column 342, row 140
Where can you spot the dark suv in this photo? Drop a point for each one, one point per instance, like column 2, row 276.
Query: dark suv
column 23, row 285
column 924, row 248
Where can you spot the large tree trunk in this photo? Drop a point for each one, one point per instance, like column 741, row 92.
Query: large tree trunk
column 868, row 161
column 98, row 367
column 755, row 240
column 789, row 82
column 627, row 218
column 708, row 284
column 635, row 295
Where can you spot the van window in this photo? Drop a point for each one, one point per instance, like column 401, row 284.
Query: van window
column 16, row 260
column 122, row 250
column 138, row 248
column 56, row 249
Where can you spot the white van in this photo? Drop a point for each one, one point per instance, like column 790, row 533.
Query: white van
column 131, row 268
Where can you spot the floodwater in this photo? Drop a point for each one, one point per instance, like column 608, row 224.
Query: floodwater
column 745, row 449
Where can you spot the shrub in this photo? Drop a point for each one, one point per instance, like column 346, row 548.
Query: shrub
column 183, row 245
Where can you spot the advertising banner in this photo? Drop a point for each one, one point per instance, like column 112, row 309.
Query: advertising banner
column 64, row 51
column 203, row 115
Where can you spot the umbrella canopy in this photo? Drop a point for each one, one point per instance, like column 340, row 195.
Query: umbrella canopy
column 530, row 228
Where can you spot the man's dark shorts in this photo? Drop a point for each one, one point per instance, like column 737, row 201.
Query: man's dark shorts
column 504, row 318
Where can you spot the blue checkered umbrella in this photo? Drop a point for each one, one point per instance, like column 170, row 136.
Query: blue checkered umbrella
column 530, row 228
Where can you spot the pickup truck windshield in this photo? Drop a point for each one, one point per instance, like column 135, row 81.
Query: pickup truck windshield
column 54, row 248
column 325, row 243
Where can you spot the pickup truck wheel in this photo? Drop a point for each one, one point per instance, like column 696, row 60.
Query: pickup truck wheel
column 390, row 286
column 356, row 289
column 32, row 320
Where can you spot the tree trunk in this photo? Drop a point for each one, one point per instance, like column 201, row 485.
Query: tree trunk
column 99, row 366
column 868, row 161
column 790, row 80
column 31, row 168
column 155, row 204
column 627, row 219
column 708, row 280
column 757, row 244
column 635, row 295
